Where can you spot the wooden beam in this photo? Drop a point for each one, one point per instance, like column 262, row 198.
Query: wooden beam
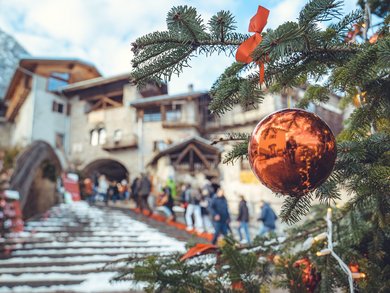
column 200, row 155
column 182, row 154
column 100, row 95
column 112, row 102
column 191, row 149
column 97, row 106
column 19, row 96
column 163, row 113
column 192, row 166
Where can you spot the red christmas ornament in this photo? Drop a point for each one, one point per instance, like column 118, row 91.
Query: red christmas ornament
column 354, row 267
column 292, row 151
column 310, row 276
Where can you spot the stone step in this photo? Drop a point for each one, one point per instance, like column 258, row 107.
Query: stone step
column 14, row 272
column 47, row 264
column 102, row 239
column 62, row 246
column 66, row 251
column 38, row 283
column 70, row 254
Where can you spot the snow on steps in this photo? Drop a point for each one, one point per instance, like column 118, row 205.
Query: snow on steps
column 65, row 249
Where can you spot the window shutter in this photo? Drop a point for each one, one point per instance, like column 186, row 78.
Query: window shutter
column 54, row 107
column 68, row 109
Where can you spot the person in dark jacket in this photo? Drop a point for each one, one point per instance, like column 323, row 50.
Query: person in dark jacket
column 113, row 191
column 135, row 191
column 145, row 187
column 268, row 217
column 243, row 219
column 220, row 214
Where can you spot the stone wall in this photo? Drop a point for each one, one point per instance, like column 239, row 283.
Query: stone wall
column 41, row 197
column 5, row 133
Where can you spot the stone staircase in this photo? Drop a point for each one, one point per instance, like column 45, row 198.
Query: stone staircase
column 65, row 250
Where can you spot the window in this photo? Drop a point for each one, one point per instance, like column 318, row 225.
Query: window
column 60, row 140
column 118, row 135
column 173, row 113
column 58, row 107
column 152, row 114
column 102, row 136
column 94, row 137
column 159, row 145
column 244, row 164
column 57, row 80
column 98, row 136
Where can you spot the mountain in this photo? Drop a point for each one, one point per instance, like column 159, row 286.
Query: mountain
column 10, row 54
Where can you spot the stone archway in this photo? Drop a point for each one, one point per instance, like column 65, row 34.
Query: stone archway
column 113, row 169
column 35, row 174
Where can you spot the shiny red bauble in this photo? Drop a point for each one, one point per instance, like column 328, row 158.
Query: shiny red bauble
column 292, row 151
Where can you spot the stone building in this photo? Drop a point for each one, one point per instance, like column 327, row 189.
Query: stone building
column 34, row 111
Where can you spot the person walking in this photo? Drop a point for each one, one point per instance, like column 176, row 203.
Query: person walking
column 204, row 209
column 103, row 188
column 193, row 198
column 88, row 190
column 268, row 217
column 113, row 191
column 165, row 204
column 124, row 190
column 291, row 147
column 243, row 219
column 171, row 184
column 220, row 214
column 144, row 191
column 135, row 191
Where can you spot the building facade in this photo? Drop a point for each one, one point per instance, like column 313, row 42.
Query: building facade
column 107, row 126
column 34, row 110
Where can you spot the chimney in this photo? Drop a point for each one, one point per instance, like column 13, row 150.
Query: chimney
column 190, row 87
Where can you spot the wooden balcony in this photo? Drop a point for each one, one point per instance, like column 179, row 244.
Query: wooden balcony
column 127, row 142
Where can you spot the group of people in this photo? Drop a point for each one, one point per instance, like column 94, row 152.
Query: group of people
column 205, row 208
column 103, row 189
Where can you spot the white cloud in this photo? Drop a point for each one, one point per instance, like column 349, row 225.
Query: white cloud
column 285, row 11
column 101, row 31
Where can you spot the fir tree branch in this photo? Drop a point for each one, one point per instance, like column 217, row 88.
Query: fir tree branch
column 239, row 150
column 232, row 137
column 294, row 208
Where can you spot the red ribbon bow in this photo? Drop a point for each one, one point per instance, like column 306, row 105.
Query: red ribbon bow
column 245, row 50
column 199, row 249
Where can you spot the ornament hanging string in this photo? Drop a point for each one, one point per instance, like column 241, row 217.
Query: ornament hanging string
column 256, row 25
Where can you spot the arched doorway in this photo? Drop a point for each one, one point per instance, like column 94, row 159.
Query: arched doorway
column 35, row 177
column 109, row 167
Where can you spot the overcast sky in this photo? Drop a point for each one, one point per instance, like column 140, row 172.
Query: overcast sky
column 101, row 31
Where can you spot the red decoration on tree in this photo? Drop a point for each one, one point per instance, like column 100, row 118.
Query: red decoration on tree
column 292, row 151
column 354, row 267
column 238, row 286
column 310, row 276
column 256, row 25
column 199, row 249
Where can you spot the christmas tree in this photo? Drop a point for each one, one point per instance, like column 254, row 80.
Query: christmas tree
column 329, row 53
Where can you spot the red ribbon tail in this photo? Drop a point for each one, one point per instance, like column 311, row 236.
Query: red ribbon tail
column 261, row 65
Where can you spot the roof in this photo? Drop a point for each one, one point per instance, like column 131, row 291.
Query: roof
column 202, row 143
column 93, row 82
column 44, row 59
column 27, row 68
column 162, row 98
